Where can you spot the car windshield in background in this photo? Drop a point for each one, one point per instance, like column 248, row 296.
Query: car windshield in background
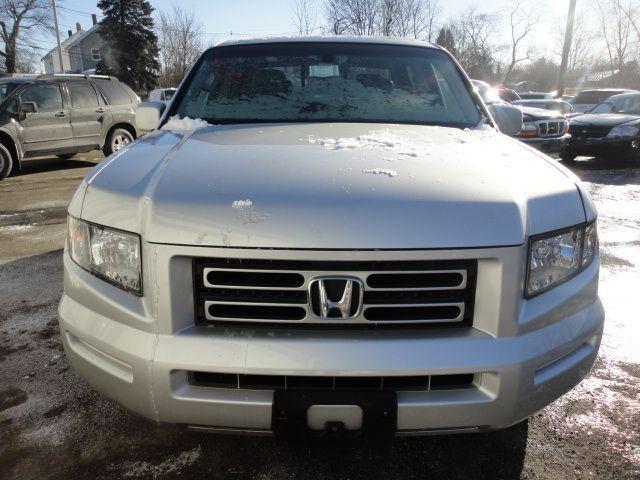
column 620, row 104
column 327, row 82
column 6, row 89
column 592, row 97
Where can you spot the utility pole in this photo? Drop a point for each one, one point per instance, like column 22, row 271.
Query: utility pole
column 568, row 38
column 55, row 21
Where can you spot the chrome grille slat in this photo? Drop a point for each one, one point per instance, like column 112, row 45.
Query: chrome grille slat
column 550, row 128
column 402, row 292
column 461, row 286
column 458, row 318
column 308, row 276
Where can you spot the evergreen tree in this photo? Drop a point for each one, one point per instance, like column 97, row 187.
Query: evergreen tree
column 132, row 45
column 445, row 40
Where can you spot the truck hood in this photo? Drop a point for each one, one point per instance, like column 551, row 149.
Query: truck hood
column 332, row 186
column 539, row 113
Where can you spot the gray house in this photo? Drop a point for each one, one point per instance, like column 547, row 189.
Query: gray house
column 81, row 51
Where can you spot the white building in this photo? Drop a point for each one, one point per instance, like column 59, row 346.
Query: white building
column 81, row 51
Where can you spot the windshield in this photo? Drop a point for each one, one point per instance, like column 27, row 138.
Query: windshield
column 327, row 82
column 6, row 89
column 620, row 104
column 169, row 93
column 589, row 97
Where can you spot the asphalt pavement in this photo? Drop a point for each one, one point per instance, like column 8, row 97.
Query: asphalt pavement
column 53, row 425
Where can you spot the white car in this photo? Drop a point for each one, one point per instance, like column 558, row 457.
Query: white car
column 162, row 95
column 328, row 235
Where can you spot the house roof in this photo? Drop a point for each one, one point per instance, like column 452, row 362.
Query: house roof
column 69, row 42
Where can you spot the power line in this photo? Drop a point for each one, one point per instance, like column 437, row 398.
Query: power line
column 229, row 33
column 79, row 11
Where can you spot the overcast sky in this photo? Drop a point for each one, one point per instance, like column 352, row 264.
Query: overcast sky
column 265, row 17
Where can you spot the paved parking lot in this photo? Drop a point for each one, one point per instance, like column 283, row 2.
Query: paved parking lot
column 53, row 425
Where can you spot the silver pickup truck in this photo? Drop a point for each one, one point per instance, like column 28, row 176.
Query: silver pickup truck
column 329, row 236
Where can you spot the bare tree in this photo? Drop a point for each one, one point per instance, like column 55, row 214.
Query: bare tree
column 630, row 10
column 476, row 37
column 390, row 12
column 615, row 27
column 585, row 44
column 418, row 19
column 180, row 41
column 18, row 20
column 352, row 17
column 524, row 16
column 305, row 17
column 402, row 18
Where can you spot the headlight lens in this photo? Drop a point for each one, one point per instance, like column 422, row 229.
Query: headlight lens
column 623, row 131
column 556, row 257
column 590, row 247
column 529, row 129
column 111, row 254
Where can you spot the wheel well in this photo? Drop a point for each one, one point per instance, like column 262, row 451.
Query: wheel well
column 126, row 126
column 10, row 145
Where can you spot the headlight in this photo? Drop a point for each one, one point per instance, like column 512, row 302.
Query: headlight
column 623, row 131
column 529, row 129
column 112, row 255
column 556, row 257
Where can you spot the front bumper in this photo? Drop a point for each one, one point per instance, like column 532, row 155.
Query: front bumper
column 546, row 144
column 138, row 350
column 593, row 147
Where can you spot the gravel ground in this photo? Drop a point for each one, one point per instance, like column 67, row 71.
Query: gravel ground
column 53, row 425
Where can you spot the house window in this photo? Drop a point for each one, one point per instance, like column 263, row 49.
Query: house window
column 95, row 54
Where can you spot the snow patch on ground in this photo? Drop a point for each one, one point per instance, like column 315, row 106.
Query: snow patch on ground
column 184, row 125
column 381, row 171
column 169, row 467
column 611, row 390
column 16, row 228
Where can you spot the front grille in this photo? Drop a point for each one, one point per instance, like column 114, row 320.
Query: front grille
column 288, row 291
column 588, row 131
column 234, row 381
column 550, row 128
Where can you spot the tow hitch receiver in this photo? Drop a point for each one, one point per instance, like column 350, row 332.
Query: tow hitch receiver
column 320, row 414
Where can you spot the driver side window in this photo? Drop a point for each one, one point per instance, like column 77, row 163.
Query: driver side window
column 45, row 96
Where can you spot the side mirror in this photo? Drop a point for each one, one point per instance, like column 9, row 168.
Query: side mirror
column 508, row 118
column 148, row 115
column 28, row 107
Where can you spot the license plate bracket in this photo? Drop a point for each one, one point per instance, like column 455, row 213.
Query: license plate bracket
column 379, row 414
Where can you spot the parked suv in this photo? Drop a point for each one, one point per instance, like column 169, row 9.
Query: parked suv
column 63, row 115
column 328, row 235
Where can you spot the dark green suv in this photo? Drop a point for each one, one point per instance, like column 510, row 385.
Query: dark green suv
column 63, row 115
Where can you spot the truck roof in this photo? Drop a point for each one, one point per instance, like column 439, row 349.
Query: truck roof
column 326, row 39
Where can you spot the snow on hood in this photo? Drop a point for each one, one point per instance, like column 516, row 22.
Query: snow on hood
column 322, row 185
column 184, row 125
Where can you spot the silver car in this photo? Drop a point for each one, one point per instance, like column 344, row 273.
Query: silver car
column 329, row 236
